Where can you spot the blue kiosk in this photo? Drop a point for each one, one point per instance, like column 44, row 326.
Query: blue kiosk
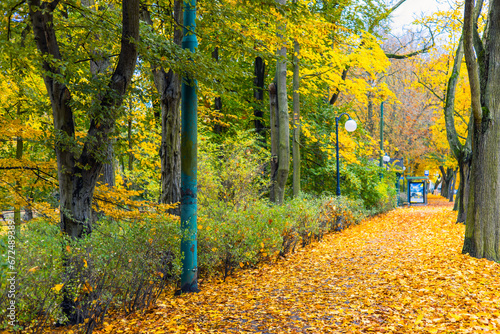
column 417, row 189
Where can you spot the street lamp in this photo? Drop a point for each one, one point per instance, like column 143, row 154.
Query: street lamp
column 350, row 126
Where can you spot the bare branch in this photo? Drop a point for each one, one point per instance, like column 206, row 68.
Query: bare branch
column 428, row 88
column 336, row 95
column 414, row 53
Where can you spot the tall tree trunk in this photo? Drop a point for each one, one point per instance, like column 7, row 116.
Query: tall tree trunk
column 296, row 120
column 451, row 192
column 274, row 123
column 218, row 127
column 436, row 185
column 100, row 64
column 130, row 141
column 18, row 187
column 78, row 172
column 258, row 95
column 76, row 183
column 284, row 130
column 462, row 199
column 482, row 233
column 446, row 180
column 168, row 85
column 461, row 152
column 369, row 118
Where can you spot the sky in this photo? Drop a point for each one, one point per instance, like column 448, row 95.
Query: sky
column 412, row 9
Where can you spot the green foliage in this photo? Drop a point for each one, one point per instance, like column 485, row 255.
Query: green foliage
column 239, row 227
column 373, row 185
column 260, row 231
column 360, row 178
column 125, row 264
column 230, row 173
column 39, row 268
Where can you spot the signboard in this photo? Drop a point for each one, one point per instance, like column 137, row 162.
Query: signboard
column 416, row 192
column 426, row 173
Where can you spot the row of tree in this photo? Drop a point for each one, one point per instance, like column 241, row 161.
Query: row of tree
column 91, row 109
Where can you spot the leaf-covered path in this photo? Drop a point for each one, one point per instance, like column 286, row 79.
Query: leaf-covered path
column 401, row 272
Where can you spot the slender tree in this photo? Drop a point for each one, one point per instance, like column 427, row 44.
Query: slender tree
column 258, row 95
column 283, row 119
column 168, row 85
column 482, row 233
column 296, row 119
column 461, row 152
column 274, row 124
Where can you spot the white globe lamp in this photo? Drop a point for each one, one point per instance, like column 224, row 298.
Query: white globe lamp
column 351, row 125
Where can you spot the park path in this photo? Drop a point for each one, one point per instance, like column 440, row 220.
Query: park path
column 400, row 272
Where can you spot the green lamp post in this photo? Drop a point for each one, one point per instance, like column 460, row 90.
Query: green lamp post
column 189, row 151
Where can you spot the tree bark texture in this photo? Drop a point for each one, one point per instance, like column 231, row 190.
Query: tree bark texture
column 451, row 192
column 168, row 85
column 446, row 179
column 369, row 117
column 18, row 185
column 462, row 199
column 78, row 174
column 284, row 129
column 482, row 234
column 462, row 153
column 218, row 127
column 274, row 121
column 296, row 120
column 99, row 65
column 258, row 95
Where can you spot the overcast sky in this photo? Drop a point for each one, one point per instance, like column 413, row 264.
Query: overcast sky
column 412, row 9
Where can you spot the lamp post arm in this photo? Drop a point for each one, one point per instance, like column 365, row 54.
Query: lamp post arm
column 340, row 116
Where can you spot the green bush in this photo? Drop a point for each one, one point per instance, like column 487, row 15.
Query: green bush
column 237, row 227
column 39, row 269
column 127, row 264
column 374, row 185
column 244, row 236
column 123, row 264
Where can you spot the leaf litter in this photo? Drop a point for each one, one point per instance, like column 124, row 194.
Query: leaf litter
column 399, row 272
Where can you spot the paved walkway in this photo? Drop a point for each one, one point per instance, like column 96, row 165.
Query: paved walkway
column 401, row 272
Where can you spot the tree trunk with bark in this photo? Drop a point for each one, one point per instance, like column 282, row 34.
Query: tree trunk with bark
column 284, row 129
column 100, row 64
column 18, row 185
column 482, row 233
column 446, row 179
column 451, row 192
column 168, row 85
column 296, row 120
column 369, row 117
column 78, row 171
column 78, row 174
column 461, row 152
column 463, row 190
column 274, row 123
column 258, row 95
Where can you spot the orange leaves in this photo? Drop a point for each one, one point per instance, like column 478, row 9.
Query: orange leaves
column 401, row 272
column 118, row 203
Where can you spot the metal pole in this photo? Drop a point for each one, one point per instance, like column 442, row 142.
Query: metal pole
column 337, row 150
column 398, row 189
column 189, row 150
column 381, row 134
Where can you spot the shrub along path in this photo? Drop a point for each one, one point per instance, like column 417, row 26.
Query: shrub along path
column 401, row 272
